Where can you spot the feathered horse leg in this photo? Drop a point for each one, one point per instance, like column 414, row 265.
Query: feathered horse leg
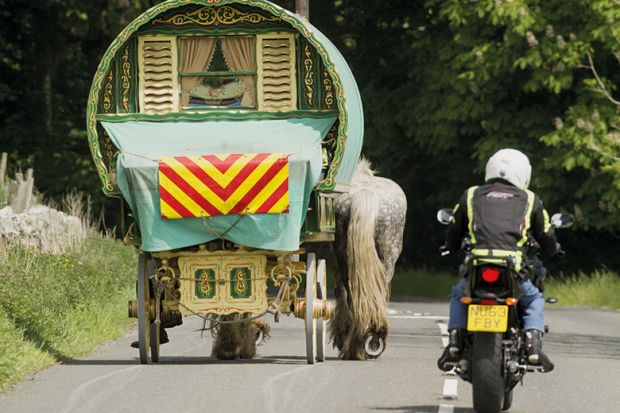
column 236, row 340
column 368, row 285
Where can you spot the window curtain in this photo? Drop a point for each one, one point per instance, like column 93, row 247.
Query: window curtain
column 196, row 56
column 239, row 54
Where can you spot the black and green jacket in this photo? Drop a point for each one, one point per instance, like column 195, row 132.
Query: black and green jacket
column 498, row 218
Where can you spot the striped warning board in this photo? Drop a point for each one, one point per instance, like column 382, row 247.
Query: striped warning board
column 199, row 186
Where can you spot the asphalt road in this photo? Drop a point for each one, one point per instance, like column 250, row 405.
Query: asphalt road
column 584, row 344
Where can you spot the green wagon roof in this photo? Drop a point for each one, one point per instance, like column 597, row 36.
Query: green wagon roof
column 348, row 100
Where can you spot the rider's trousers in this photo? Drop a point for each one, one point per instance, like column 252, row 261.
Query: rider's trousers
column 531, row 301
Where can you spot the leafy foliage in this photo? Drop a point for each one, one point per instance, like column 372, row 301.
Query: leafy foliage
column 445, row 83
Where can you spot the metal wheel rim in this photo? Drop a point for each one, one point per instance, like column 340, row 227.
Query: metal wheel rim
column 309, row 320
column 143, row 317
column 321, row 327
column 154, row 328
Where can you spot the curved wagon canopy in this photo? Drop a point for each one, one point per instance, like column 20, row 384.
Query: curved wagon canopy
column 216, row 77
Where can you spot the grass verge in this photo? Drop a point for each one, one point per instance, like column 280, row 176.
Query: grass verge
column 60, row 306
column 423, row 284
column 600, row 289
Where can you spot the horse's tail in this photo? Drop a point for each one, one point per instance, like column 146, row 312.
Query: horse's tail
column 367, row 274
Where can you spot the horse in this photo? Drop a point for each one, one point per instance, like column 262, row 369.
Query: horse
column 237, row 335
column 370, row 221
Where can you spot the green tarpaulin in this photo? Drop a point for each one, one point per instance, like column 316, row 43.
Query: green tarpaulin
column 142, row 143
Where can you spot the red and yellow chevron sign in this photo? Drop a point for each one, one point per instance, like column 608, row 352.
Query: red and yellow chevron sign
column 199, row 186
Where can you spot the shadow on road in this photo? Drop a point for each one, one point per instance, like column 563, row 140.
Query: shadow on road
column 194, row 360
column 585, row 346
column 421, row 409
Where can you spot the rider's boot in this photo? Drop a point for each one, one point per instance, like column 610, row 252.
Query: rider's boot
column 535, row 355
column 453, row 351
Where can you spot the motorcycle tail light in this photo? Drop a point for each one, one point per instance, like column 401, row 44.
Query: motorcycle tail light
column 490, row 274
column 488, row 301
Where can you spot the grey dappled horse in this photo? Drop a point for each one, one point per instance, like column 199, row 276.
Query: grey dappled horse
column 370, row 221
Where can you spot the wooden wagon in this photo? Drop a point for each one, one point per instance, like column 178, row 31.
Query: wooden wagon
column 227, row 128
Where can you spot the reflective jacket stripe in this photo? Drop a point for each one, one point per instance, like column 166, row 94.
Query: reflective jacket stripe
column 547, row 226
column 494, row 256
column 528, row 218
column 470, row 212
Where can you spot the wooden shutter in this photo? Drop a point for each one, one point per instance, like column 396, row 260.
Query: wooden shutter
column 277, row 86
column 158, row 82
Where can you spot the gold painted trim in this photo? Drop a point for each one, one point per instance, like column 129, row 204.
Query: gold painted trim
column 215, row 16
column 126, row 79
column 309, row 78
column 223, row 301
column 108, row 92
column 328, row 91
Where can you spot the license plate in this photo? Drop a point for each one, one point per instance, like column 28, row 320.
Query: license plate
column 491, row 318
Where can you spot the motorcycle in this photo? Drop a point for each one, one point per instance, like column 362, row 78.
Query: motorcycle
column 494, row 357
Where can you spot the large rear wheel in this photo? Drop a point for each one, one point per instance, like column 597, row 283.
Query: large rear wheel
column 144, row 321
column 310, row 320
column 487, row 381
column 321, row 324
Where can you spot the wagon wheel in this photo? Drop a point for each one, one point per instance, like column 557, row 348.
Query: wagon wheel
column 144, row 329
column 310, row 321
column 321, row 324
column 154, row 328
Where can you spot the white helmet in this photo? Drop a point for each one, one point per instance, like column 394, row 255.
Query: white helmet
column 511, row 165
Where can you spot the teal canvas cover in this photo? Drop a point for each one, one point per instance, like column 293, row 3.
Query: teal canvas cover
column 142, row 143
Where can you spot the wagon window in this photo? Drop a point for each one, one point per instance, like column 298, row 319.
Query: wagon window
column 218, row 72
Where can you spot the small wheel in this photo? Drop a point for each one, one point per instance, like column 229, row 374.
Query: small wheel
column 321, row 324
column 310, row 321
column 155, row 328
column 144, row 330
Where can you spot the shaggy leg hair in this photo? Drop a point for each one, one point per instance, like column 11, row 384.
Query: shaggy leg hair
column 261, row 326
column 341, row 323
column 364, row 313
column 236, row 340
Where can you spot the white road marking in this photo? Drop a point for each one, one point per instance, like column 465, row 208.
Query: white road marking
column 443, row 327
column 419, row 317
column 450, row 386
column 445, row 408
column 450, row 389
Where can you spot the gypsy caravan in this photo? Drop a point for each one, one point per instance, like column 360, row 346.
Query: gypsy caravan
column 227, row 127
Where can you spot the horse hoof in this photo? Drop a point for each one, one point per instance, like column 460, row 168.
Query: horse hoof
column 374, row 345
column 259, row 337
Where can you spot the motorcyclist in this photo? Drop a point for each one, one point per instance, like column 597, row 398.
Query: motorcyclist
column 499, row 217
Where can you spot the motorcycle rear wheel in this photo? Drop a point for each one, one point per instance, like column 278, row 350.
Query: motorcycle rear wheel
column 487, row 381
column 507, row 400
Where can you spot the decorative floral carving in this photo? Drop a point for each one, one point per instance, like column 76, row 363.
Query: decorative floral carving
column 240, row 283
column 108, row 92
column 309, row 78
column 328, row 91
column 216, row 16
column 205, row 284
column 126, row 80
